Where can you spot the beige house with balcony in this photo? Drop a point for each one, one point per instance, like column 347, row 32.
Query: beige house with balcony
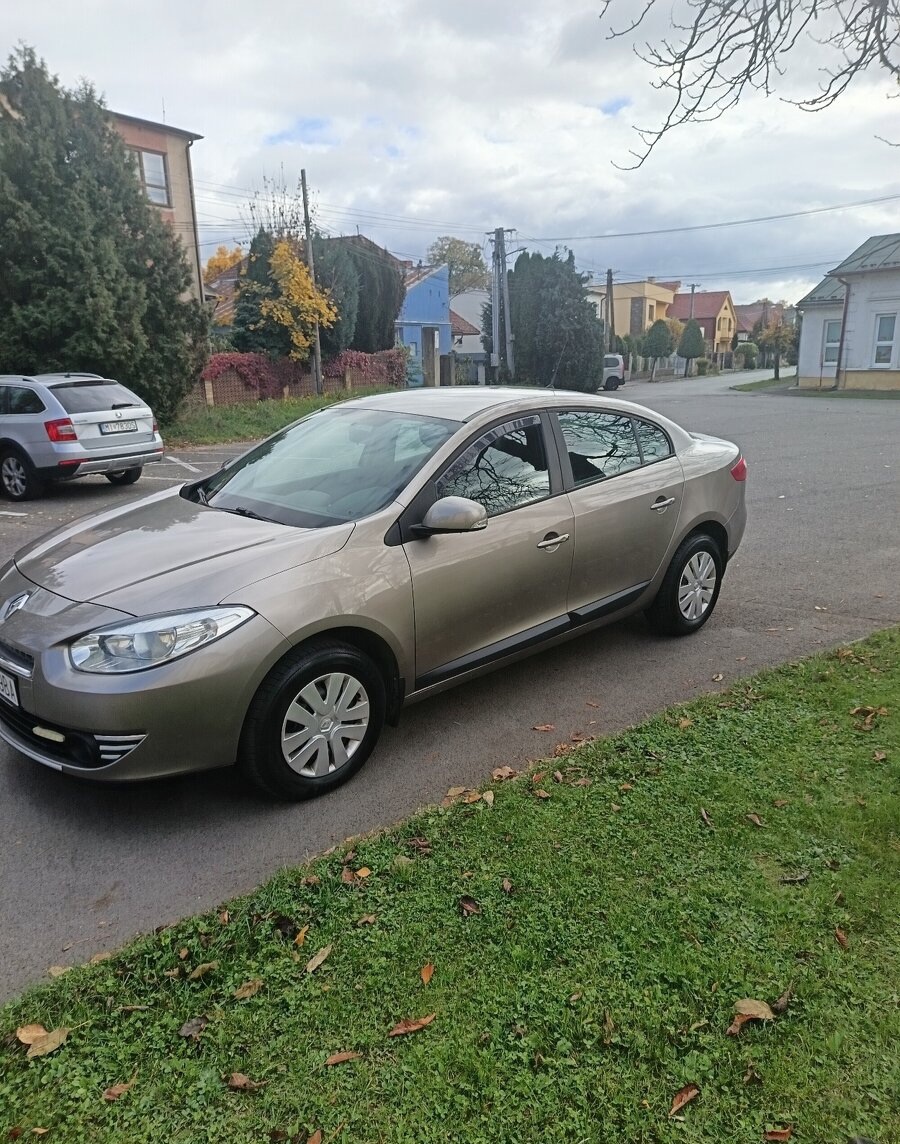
column 636, row 305
column 163, row 164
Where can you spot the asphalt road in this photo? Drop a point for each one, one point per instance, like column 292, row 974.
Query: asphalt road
column 84, row 867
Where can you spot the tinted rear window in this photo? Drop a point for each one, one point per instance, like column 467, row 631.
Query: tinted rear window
column 94, row 396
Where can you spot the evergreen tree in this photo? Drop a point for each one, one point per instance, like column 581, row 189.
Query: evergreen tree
column 381, row 294
column 91, row 278
column 337, row 276
column 251, row 334
column 658, row 343
column 691, row 345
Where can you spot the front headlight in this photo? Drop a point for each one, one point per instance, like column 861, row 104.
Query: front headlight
column 135, row 645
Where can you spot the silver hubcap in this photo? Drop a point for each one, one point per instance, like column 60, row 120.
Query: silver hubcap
column 325, row 724
column 697, row 584
column 15, row 479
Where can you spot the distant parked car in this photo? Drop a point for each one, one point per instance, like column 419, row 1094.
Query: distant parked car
column 613, row 371
column 56, row 426
column 280, row 611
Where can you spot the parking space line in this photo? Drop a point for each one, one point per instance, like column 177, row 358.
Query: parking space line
column 183, row 464
column 3, row 512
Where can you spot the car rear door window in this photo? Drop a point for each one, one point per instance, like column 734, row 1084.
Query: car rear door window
column 599, row 445
column 655, row 444
column 503, row 469
column 94, row 397
column 21, row 400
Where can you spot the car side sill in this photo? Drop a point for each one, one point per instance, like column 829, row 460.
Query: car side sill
column 531, row 637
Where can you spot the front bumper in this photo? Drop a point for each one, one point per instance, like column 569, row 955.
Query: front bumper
column 186, row 715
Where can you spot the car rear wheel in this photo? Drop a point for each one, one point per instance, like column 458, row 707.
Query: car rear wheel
column 611, row 383
column 314, row 721
column 690, row 588
column 17, row 476
column 125, row 476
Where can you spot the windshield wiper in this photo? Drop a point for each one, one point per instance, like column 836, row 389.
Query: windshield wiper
column 241, row 511
column 201, row 494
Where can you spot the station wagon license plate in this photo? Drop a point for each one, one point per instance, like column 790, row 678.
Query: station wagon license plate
column 8, row 689
column 118, row 426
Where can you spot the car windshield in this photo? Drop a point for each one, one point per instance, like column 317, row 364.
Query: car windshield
column 94, row 396
column 336, row 465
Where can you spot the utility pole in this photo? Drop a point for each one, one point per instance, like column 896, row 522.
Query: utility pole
column 610, row 313
column 317, row 345
column 495, row 301
column 693, row 286
column 507, row 321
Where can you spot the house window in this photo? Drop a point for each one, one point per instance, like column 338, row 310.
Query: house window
column 154, row 176
column 885, row 324
column 831, row 342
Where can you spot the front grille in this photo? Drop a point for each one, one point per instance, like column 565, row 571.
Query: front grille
column 78, row 748
column 19, row 661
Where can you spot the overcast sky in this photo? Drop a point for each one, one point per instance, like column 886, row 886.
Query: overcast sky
column 415, row 118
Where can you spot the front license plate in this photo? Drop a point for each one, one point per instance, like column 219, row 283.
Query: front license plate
column 8, row 689
column 118, row 426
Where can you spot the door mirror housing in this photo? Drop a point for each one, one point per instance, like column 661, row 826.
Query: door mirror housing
column 452, row 514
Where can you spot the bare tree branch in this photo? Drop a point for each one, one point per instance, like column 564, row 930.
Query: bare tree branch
column 722, row 49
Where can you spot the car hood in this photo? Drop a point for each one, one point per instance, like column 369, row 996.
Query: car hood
column 166, row 553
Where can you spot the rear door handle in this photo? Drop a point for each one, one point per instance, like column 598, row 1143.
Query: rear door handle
column 553, row 540
column 662, row 505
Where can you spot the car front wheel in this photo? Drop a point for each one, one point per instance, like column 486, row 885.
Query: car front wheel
column 690, row 588
column 125, row 476
column 314, row 721
column 17, row 476
column 611, row 383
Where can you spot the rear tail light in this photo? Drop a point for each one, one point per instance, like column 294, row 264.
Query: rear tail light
column 61, row 430
column 155, row 425
column 739, row 470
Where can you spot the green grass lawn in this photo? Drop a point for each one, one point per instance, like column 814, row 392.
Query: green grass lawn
column 248, row 421
column 766, row 383
column 591, row 926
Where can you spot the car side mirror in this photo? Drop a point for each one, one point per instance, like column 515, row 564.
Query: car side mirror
column 452, row 514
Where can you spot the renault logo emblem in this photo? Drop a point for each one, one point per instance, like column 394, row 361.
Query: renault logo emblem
column 13, row 605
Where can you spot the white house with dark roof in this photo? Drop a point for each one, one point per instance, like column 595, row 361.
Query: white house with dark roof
column 850, row 336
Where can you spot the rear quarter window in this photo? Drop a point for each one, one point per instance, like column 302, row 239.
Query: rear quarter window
column 95, row 397
column 655, row 444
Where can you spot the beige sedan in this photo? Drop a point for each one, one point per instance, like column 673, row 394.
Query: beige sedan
column 277, row 613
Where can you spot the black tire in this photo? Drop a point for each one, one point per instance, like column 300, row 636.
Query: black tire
column 18, row 479
column 260, row 756
column 665, row 615
column 611, row 383
column 125, row 476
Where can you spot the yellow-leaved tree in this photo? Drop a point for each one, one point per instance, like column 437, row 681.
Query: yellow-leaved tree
column 293, row 304
column 221, row 261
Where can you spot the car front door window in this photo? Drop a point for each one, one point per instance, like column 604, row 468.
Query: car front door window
column 505, row 468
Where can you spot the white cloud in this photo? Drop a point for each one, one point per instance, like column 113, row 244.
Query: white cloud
column 458, row 117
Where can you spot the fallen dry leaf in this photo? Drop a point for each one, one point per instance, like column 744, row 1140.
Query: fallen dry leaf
column 795, row 879
column 240, row 1082
column 773, row 1135
column 751, row 1076
column 718, row 677
column 248, row 989
column 781, row 1005
column 755, row 1010
column 558, row 777
column 194, row 1027
column 456, row 791
column 755, row 819
column 202, row 970
column 575, row 997
column 538, row 777
column 736, row 1025
column 49, row 1043
column 99, row 957
column 316, row 960
column 500, row 774
column 488, row 797
column 543, row 727
column 780, row 803
column 706, row 819
column 842, row 939
column 471, row 796
column 469, row 906
column 301, row 935
column 116, row 1090
column 182, row 953
column 426, row 973
column 562, row 749
column 879, row 756
column 614, row 806
column 367, row 920
column 582, row 782
column 176, row 972
column 224, row 917
column 591, row 703
column 363, row 872
column 609, row 1028
column 684, row 722
column 411, row 1026
column 683, row 1096
column 310, row 880
column 542, row 794
column 627, row 786
column 340, row 1058
column 28, row 1034
column 506, row 886
column 316, row 1137
column 58, row 970
column 868, row 716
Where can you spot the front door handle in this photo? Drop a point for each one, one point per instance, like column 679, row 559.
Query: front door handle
column 661, row 505
column 553, row 540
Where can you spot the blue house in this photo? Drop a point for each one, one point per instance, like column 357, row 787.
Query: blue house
column 423, row 325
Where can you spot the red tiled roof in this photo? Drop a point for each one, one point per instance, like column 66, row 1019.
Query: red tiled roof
column 748, row 315
column 707, row 304
column 459, row 327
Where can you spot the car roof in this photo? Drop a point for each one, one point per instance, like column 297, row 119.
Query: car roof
column 464, row 402
column 51, row 379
